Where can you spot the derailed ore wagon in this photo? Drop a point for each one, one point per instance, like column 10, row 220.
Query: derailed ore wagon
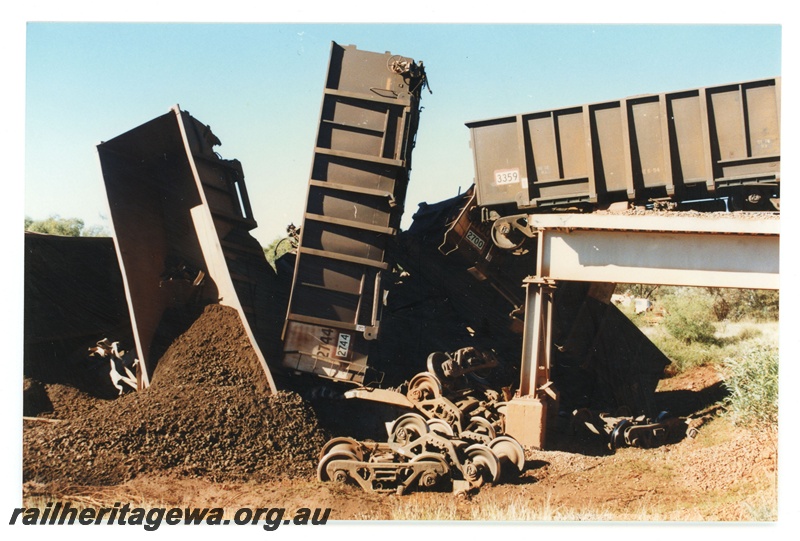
column 74, row 297
column 559, row 183
column 488, row 268
column 181, row 218
column 669, row 149
column 431, row 321
column 453, row 292
column 342, row 278
column 356, row 195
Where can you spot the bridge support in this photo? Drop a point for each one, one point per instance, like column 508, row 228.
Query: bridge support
column 737, row 252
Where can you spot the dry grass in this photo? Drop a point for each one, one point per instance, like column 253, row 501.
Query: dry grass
column 517, row 509
column 505, row 508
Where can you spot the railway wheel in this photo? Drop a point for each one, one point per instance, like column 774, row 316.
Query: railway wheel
column 617, row 438
column 434, row 475
column 482, row 428
column 441, row 427
column 482, row 465
column 326, row 471
column 342, row 444
column 424, row 386
column 509, row 451
column 408, row 428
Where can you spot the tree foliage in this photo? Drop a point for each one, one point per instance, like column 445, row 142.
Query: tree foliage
column 66, row 227
column 282, row 245
column 724, row 304
column 739, row 304
column 642, row 291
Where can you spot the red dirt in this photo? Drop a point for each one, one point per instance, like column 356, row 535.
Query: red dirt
column 208, row 434
column 695, row 480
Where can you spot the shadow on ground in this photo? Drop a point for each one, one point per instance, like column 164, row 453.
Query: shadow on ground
column 564, row 434
column 685, row 403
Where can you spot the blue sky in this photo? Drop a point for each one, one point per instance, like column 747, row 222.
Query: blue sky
column 259, row 86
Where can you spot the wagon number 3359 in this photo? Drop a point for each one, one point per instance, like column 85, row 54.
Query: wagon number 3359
column 506, row 176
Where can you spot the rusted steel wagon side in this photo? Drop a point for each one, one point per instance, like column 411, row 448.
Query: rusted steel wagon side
column 356, row 194
column 181, row 219
column 720, row 141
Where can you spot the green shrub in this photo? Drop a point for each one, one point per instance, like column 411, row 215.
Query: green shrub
column 690, row 316
column 749, row 333
column 685, row 356
column 752, row 380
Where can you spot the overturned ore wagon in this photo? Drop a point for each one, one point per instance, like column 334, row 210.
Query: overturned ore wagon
column 356, row 194
column 74, row 297
column 182, row 220
column 713, row 142
column 601, row 359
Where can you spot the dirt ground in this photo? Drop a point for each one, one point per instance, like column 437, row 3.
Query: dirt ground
column 207, row 433
column 729, row 475
column 724, row 474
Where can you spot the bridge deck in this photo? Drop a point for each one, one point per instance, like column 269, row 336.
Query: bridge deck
column 737, row 251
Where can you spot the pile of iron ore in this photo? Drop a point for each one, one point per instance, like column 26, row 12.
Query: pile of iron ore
column 207, row 413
